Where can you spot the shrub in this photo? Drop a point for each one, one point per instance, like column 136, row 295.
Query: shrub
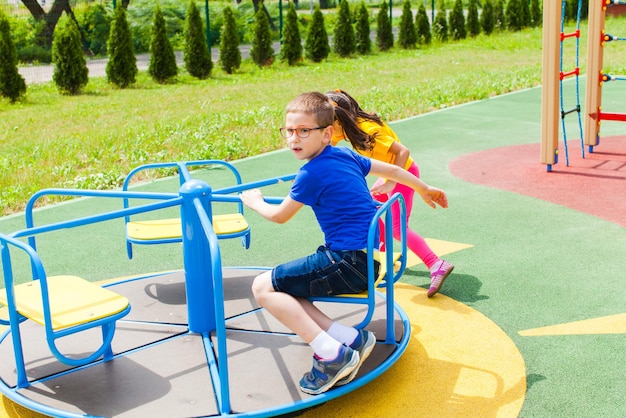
column 407, row 37
column 316, row 46
column 196, row 54
column 486, row 17
column 291, row 48
column 230, row 56
column 344, row 42
column 162, row 66
column 457, row 21
column 524, row 13
column 70, row 68
column 424, row 37
column 262, row 52
column 498, row 15
column 440, row 26
column 535, row 13
column 384, row 34
column 362, row 30
column 12, row 84
column 121, row 68
column 513, row 15
column 473, row 24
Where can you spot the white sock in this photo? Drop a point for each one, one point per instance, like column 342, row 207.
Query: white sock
column 325, row 346
column 342, row 333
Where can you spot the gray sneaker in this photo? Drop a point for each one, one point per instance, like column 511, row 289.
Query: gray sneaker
column 364, row 344
column 325, row 374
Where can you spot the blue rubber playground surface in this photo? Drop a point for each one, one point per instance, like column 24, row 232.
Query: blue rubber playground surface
column 531, row 323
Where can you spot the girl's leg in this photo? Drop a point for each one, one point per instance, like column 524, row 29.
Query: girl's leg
column 414, row 241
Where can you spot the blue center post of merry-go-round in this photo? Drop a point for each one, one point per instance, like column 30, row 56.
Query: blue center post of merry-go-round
column 200, row 249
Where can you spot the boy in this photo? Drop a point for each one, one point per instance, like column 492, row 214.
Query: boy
column 344, row 208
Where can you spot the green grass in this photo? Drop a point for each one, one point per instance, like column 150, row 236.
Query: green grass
column 94, row 139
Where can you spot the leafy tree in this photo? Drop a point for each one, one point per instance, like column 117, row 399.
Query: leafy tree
column 162, row 66
column 230, row 56
column 407, row 37
column 262, row 52
column 291, row 48
column 384, row 34
column 457, row 21
column 498, row 15
column 344, row 42
column 513, row 15
column 473, row 24
column 440, row 25
column 95, row 23
column 121, row 68
column 362, row 30
column 487, row 18
column 196, row 53
column 316, row 46
column 422, row 26
column 51, row 18
column 535, row 13
column 12, row 84
column 70, row 67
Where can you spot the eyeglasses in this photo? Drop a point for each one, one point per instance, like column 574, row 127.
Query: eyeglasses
column 301, row 132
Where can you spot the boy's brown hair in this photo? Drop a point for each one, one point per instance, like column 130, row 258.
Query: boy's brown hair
column 316, row 104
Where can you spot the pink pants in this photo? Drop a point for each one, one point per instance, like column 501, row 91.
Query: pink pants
column 414, row 241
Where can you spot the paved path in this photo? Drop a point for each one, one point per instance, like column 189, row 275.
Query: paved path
column 35, row 74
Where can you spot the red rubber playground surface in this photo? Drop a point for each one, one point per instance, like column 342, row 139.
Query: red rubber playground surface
column 532, row 321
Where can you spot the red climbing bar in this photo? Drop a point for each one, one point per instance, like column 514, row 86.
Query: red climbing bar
column 576, row 34
column 575, row 71
column 621, row 117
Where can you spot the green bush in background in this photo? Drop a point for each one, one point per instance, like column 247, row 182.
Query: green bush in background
column 162, row 66
column 316, row 46
column 362, row 30
column 196, row 54
column 407, row 36
column 70, row 67
column 121, row 67
column 262, row 51
column 12, row 84
column 384, row 33
column 344, row 43
column 230, row 56
column 291, row 47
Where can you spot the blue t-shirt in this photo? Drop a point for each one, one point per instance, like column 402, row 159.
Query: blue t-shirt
column 334, row 185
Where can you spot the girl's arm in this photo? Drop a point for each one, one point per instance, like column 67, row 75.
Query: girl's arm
column 275, row 213
column 431, row 195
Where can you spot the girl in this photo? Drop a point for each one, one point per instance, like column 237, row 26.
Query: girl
column 372, row 137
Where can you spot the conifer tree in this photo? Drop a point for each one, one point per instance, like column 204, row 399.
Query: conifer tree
column 70, row 67
column 486, row 17
column 440, row 25
column 162, row 66
column 535, row 13
column 262, row 52
column 291, row 48
column 362, row 30
column 525, row 13
column 384, row 34
column 422, row 26
column 499, row 21
column 316, row 46
column 121, row 68
column 12, row 84
column 513, row 15
column 230, row 56
column 407, row 37
column 196, row 53
column 344, row 42
column 457, row 21
column 473, row 24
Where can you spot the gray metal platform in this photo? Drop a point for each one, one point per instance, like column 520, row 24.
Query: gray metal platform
column 161, row 370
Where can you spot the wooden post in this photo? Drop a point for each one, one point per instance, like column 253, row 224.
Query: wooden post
column 595, row 54
column 550, row 87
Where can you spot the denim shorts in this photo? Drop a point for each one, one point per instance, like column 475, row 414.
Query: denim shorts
column 324, row 273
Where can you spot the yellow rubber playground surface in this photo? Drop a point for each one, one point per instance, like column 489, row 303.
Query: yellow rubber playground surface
column 532, row 322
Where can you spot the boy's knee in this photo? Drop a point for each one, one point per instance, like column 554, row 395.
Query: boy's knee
column 262, row 284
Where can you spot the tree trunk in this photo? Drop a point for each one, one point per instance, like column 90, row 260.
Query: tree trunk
column 51, row 18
